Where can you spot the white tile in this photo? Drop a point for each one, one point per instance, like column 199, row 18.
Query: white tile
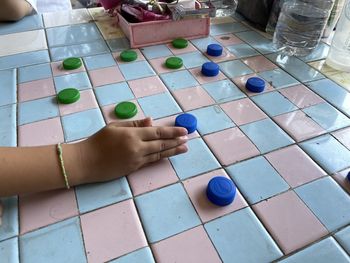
column 76, row 16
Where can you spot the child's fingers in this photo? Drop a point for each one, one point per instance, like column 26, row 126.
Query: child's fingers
column 154, row 157
column 137, row 123
column 162, row 145
column 157, row 133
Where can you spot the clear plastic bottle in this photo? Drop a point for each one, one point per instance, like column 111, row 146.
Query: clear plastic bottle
column 224, row 7
column 339, row 54
column 300, row 25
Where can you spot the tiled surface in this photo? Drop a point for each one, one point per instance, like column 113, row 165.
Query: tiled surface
column 343, row 237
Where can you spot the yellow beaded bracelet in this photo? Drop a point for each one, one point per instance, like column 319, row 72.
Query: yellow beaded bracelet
column 60, row 156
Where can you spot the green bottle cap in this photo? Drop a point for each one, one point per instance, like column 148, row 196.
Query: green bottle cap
column 72, row 63
column 68, row 96
column 174, row 62
column 180, row 43
column 125, row 110
column 128, row 55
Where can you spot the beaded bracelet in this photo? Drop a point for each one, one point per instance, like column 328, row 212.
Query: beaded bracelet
column 60, row 156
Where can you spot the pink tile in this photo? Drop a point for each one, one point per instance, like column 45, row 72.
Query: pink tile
column 177, row 51
column 290, row 221
column 159, row 65
column 343, row 136
column 193, row 245
column 228, row 40
column 340, row 177
column 226, row 55
column 231, row 146
column 259, row 63
column 170, row 121
column 109, row 115
column 241, row 81
column 152, row 177
column 39, row 133
column 295, row 166
column 243, row 111
column 58, row 70
column 36, row 89
column 87, row 101
column 147, row 86
column 196, row 189
column 116, row 56
column 112, row 231
column 301, row 96
column 193, row 98
column 42, row 209
column 196, row 72
column 299, row 126
column 104, row 76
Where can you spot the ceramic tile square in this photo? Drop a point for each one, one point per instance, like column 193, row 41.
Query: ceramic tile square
column 35, row 72
column 41, row 133
column 116, row 56
column 193, row 98
column 166, row 212
column 343, row 79
column 242, row 50
column 228, row 40
column 235, row 68
column 93, row 196
column 278, row 78
column 109, row 29
column 197, row 73
column 289, row 221
column 198, row 159
column 87, row 101
column 36, row 89
column 241, row 84
column 136, row 70
column 99, row 14
column 63, row 18
column 322, row 67
column 193, row 59
column 109, row 113
column 259, row 64
column 27, row 23
column 8, row 125
column 301, row 96
column 332, row 209
column 231, row 146
column 159, row 105
column 236, row 234
column 159, row 66
column 225, row 56
column 202, row 43
column 142, row 255
column 8, row 80
column 260, row 134
column 156, row 51
column 120, row 43
column 343, row 237
column 171, row 80
column 343, row 136
column 79, row 80
column 32, row 111
column 104, row 76
column 43, row 209
column 58, row 70
column 9, row 221
column 223, row 91
column 9, row 250
column 298, row 125
column 24, row 59
column 82, row 124
column 191, row 246
column 177, row 51
column 99, row 61
column 113, row 93
column 147, row 86
column 341, row 179
column 220, row 29
column 257, row 179
column 196, row 189
column 257, row 41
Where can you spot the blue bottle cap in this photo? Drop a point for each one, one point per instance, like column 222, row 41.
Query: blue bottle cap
column 221, row 191
column 348, row 177
column 187, row 121
column 214, row 50
column 210, row 69
column 255, row 84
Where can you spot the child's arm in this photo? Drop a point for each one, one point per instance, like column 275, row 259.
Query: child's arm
column 113, row 152
column 14, row 10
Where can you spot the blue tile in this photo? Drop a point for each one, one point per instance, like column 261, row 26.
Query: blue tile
column 82, row 124
column 79, row 50
column 156, row 51
column 143, row 255
column 171, row 80
column 242, row 50
column 328, row 153
column 93, row 196
column 70, row 35
column 9, row 226
column 343, row 237
column 193, row 59
column 35, row 72
column 27, row 23
column 24, row 59
column 78, row 81
column 240, row 237
column 257, row 179
column 333, row 93
column 8, row 127
column 136, row 70
column 235, row 68
column 198, row 159
column 297, row 68
column 99, row 61
column 260, row 43
column 42, row 245
column 202, row 43
column 166, row 212
column 260, row 133
column 211, row 119
column 324, row 251
column 328, row 201
column 273, row 103
column 113, row 93
column 159, row 105
column 9, row 251
column 118, row 44
column 8, row 87
column 223, row 91
column 37, row 110
column 226, row 28
column 278, row 78
column 320, row 52
column 328, row 117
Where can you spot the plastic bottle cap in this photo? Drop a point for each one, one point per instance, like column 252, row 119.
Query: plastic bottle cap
column 187, row 121
column 128, row 55
column 180, row 43
column 72, row 63
column 221, row 191
column 214, row 50
column 255, row 84
column 125, row 110
column 210, row 69
column 68, row 96
column 174, row 62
